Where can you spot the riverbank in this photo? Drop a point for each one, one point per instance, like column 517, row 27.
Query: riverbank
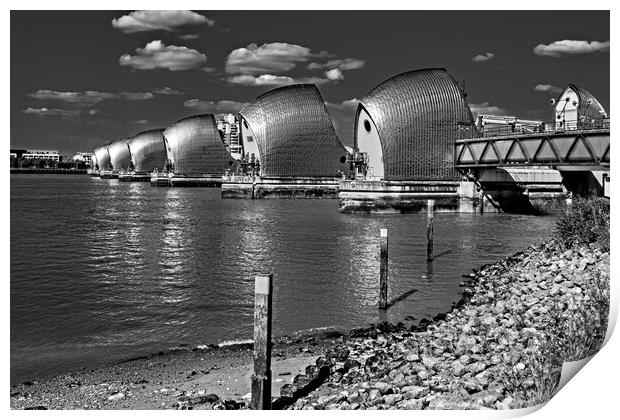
column 39, row 171
column 501, row 347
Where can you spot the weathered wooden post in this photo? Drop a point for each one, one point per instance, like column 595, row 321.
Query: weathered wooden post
column 261, row 379
column 430, row 214
column 383, row 270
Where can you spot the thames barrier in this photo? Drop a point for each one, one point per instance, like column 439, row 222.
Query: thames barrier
column 415, row 139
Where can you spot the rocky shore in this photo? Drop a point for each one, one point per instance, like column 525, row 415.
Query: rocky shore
column 501, row 347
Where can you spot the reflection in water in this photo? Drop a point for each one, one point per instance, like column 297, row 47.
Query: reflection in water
column 131, row 269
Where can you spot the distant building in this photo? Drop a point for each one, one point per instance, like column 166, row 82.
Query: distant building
column 42, row 154
column 85, row 157
column 17, row 153
column 228, row 126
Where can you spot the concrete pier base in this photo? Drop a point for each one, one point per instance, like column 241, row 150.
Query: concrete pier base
column 265, row 188
column 108, row 175
column 134, row 177
column 177, row 180
column 366, row 196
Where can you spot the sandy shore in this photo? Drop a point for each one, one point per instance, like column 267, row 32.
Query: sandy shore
column 178, row 378
column 501, row 347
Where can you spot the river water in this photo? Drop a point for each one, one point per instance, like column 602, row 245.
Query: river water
column 102, row 271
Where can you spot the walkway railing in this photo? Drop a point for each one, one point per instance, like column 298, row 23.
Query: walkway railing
column 553, row 127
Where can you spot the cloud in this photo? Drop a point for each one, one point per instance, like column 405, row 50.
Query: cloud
column 342, row 64
column 482, row 57
column 158, row 20
column 93, row 112
column 55, row 112
column 140, row 121
column 569, row 47
column 167, row 91
column 158, row 55
column 486, row 108
column 89, row 97
column 334, row 74
column 348, row 105
column 214, row 107
column 272, row 80
column 189, row 37
column 547, row 88
column 276, row 57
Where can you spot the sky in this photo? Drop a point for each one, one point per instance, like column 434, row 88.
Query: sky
column 82, row 78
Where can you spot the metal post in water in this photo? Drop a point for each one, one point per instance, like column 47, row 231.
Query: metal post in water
column 430, row 215
column 383, row 270
column 261, row 379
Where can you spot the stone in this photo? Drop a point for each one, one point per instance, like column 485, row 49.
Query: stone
column 476, row 367
column 413, row 357
column 374, row 395
column 458, row 369
column 116, row 396
column 412, row 405
column 413, row 391
column 392, row 399
column 382, row 386
column 429, row 361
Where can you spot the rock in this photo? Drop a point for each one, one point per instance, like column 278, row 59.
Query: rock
column 412, row 405
column 429, row 361
column 413, row 357
column 413, row 391
column 485, row 398
column 382, row 386
column 392, row 399
column 327, row 399
column 476, row 367
column 116, row 396
column 374, row 395
column 472, row 386
column 458, row 369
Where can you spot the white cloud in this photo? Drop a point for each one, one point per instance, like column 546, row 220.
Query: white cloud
column 89, row 97
column 570, row 47
column 340, row 63
column 52, row 112
column 158, row 55
column 334, row 74
column 482, row 57
column 93, row 112
column 189, row 37
column 214, row 107
column 276, row 57
column 547, row 88
column 486, row 108
column 167, row 91
column 272, row 80
column 348, row 105
column 158, row 20
column 141, row 121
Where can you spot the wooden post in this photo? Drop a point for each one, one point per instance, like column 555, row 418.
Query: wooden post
column 430, row 214
column 261, row 379
column 383, row 270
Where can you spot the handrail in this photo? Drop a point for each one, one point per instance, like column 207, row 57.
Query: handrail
column 553, row 127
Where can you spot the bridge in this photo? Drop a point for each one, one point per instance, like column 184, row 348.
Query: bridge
column 570, row 146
